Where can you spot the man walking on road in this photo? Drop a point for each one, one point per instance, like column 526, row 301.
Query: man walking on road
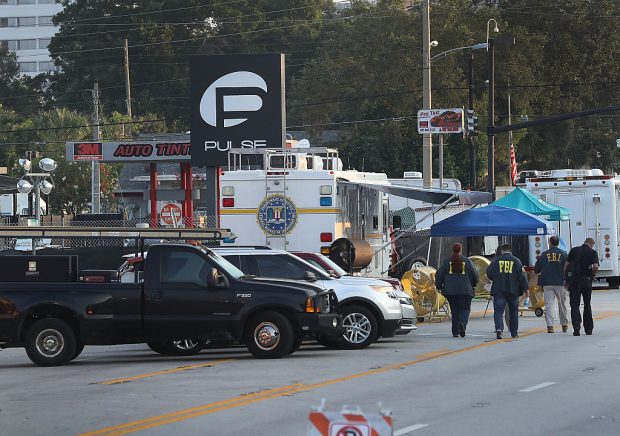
column 509, row 282
column 550, row 266
column 582, row 264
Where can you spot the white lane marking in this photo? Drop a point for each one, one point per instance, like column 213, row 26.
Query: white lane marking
column 409, row 429
column 536, row 387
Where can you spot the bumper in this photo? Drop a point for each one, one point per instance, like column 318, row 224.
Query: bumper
column 389, row 327
column 320, row 324
column 406, row 326
column 407, row 323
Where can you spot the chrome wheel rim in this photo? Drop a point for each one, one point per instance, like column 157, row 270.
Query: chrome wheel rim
column 356, row 328
column 267, row 336
column 50, row 343
column 185, row 344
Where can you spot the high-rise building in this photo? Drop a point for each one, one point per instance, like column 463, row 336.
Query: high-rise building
column 26, row 28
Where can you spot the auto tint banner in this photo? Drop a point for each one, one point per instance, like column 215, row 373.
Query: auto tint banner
column 130, row 151
column 237, row 102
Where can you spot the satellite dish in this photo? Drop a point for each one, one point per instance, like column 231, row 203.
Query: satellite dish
column 46, row 187
column 26, row 164
column 48, row 164
column 24, row 186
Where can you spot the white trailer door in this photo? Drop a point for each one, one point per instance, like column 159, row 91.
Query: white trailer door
column 574, row 231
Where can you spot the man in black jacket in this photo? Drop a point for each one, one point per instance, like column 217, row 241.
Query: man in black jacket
column 509, row 282
column 582, row 264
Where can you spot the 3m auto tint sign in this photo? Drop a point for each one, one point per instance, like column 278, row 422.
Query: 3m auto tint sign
column 148, row 151
column 87, row 151
column 440, row 121
column 237, row 102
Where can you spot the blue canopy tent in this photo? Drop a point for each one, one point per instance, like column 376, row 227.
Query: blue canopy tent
column 491, row 220
column 525, row 201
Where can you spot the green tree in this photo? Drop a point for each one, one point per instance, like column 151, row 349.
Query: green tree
column 162, row 35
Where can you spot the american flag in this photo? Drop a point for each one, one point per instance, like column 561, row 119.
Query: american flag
column 513, row 165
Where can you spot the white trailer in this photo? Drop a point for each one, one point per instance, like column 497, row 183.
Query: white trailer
column 593, row 199
column 301, row 199
column 16, row 204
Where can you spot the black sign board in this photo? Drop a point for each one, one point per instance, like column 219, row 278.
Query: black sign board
column 237, row 102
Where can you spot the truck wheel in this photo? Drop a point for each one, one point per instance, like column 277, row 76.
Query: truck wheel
column 185, row 347
column 359, row 327
column 158, row 347
column 50, row 342
column 78, row 350
column 539, row 312
column 269, row 335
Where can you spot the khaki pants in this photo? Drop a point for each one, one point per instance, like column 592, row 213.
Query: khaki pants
column 551, row 292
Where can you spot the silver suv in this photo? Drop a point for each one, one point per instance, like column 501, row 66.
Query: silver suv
column 369, row 308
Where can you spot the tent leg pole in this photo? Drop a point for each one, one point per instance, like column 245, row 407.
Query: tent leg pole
column 428, row 255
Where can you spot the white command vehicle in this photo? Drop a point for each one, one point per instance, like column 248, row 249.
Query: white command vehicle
column 593, row 199
column 301, row 199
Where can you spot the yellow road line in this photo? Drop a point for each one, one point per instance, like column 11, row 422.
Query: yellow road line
column 242, row 400
column 163, row 372
column 180, row 415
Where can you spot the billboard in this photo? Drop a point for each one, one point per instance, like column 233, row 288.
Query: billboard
column 237, row 101
column 130, row 151
column 440, row 121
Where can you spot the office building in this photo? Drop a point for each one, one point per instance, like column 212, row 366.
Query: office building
column 26, row 28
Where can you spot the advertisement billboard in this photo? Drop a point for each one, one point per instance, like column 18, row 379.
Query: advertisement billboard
column 440, row 121
column 130, row 151
column 237, row 101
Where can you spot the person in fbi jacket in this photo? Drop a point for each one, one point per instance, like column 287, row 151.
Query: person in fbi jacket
column 456, row 278
column 509, row 282
column 550, row 266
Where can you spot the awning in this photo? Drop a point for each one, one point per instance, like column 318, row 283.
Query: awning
column 8, row 185
column 433, row 196
column 491, row 220
column 528, row 202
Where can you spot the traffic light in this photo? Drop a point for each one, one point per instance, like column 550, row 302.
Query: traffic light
column 472, row 123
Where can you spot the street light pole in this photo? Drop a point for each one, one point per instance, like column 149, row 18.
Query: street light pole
column 470, row 105
column 491, row 121
column 427, row 142
column 491, row 110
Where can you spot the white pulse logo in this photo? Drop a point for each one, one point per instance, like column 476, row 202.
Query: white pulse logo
column 228, row 101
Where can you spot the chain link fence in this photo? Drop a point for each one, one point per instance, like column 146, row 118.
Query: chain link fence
column 106, row 247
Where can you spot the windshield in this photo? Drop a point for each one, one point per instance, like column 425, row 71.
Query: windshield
column 334, row 266
column 318, row 272
column 225, row 265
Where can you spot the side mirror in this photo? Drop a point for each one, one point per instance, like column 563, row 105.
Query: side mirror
column 215, row 280
column 309, row 276
column 397, row 221
column 332, row 273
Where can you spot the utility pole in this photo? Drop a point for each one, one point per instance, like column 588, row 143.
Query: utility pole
column 441, row 161
column 491, row 122
column 470, row 105
column 509, row 136
column 427, row 140
column 127, row 81
column 96, row 176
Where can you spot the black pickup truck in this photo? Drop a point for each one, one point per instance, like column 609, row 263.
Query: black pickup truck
column 188, row 294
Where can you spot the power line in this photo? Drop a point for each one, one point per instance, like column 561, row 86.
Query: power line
column 200, row 38
column 134, row 14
